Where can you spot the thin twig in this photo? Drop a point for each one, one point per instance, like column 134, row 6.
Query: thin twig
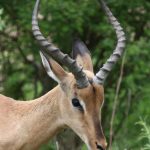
column 57, row 145
column 128, row 102
column 125, row 114
column 116, row 102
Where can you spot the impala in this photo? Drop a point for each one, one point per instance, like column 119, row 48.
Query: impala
column 74, row 103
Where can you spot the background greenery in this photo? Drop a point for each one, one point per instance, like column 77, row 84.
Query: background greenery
column 22, row 76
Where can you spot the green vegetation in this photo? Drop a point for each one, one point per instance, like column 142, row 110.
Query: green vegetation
column 23, row 77
column 145, row 134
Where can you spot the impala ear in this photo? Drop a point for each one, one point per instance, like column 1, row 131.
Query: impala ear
column 81, row 53
column 53, row 69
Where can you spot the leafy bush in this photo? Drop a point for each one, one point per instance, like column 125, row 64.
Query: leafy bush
column 145, row 134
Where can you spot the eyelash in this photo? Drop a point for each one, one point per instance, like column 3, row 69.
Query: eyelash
column 76, row 103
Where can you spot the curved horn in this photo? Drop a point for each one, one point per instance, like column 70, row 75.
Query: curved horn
column 56, row 54
column 117, row 53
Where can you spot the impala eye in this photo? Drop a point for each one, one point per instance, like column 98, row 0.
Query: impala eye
column 76, row 103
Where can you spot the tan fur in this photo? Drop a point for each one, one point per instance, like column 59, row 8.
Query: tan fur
column 26, row 125
column 85, row 61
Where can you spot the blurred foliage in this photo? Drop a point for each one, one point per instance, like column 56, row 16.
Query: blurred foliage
column 145, row 134
column 22, row 76
column 2, row 23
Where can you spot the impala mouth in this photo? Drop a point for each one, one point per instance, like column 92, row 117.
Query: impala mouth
column 99, row 147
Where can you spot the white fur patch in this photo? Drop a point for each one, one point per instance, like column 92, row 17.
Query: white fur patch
column 83, row 104
column 48, row 68
column 102, row 103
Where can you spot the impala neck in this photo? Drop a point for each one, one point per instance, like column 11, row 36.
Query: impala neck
column 44, row 120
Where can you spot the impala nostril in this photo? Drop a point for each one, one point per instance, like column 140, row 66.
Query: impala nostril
column 99, row 147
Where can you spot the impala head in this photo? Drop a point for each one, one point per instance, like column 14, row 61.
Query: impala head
column 83, row 93
column 80, row 107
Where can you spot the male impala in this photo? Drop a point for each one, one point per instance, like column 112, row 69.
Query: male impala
column 74, row 103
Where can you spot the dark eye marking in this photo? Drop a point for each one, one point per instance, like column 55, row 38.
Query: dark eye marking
column 91, row 81
column 94, row 90
column 76, row 103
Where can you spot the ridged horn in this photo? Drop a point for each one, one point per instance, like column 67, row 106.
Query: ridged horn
column 55, row 52
column 117, row 53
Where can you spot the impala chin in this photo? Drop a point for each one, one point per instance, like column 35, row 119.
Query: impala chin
column 86, row 141
column 88, row 146
column 92, row 143
column 95, row 146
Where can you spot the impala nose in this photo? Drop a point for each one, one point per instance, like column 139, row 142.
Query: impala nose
column 100, row 147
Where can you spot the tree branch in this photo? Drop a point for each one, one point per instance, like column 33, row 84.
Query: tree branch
column 116, row 102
